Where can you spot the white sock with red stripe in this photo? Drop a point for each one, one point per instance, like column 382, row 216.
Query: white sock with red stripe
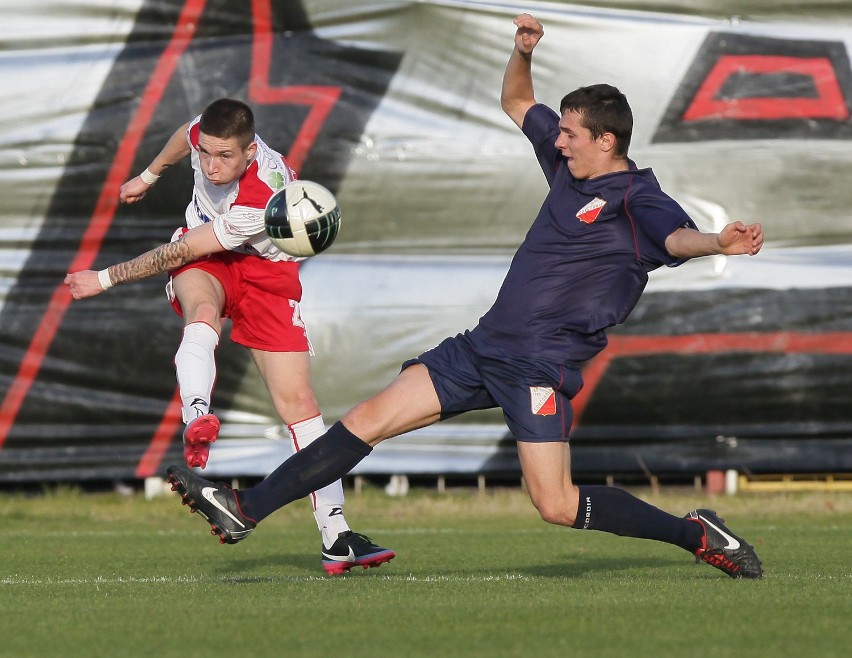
column 195, row 365
column 328, row 501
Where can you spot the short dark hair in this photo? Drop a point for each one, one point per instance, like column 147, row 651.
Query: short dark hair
column 603, row 109
column 227, row 118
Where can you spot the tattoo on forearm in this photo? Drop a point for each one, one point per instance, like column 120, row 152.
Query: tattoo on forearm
column 161, row 259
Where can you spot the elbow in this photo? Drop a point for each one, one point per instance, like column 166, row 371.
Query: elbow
column 687, row 243
column 672, row 248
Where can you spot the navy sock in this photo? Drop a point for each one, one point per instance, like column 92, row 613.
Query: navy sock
column 327, row 459
column 613, row 510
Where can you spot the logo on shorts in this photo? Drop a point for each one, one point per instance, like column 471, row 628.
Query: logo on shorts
column 543, row 400
column 591, row 210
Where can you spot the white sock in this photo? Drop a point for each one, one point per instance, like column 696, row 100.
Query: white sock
column 195, row 365
column 328, row 501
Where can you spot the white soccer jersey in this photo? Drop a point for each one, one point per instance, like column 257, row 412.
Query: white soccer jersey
column 236, row 209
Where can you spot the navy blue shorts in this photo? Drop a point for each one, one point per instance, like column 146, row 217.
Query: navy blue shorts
column 535, row 396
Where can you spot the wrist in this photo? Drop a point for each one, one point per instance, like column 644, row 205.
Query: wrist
column 104, row 279
column 148, row 177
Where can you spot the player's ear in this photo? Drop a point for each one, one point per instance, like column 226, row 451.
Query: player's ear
column 251, row 150
column 607, row 142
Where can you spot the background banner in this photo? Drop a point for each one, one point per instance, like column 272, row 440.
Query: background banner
column 740, row 363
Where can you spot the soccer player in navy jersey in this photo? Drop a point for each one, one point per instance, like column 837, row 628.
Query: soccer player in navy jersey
column 581, row 268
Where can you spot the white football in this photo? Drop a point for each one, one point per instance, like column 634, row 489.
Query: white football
column 302, row 218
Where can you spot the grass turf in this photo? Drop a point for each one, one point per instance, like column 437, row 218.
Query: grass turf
column 476, row 575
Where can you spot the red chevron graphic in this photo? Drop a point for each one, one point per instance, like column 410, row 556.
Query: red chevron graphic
column 829, row 103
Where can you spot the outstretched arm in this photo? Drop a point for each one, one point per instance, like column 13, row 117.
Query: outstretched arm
column 175, row 150
column 517, row 95
column 192, row 245
column 733, row 240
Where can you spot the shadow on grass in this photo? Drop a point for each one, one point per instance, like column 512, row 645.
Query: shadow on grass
column 585, row 565
column 245, row 570
column 240, row 569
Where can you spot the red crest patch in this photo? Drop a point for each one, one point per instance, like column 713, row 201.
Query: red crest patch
column 591, row 210
column 542, row 400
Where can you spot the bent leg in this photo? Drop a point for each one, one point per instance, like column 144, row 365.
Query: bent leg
column 201, row 300
column 547, row 472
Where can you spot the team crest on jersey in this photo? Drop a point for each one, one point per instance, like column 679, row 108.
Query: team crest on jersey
column 275, row 180
column 591, row 210
column 543, row 400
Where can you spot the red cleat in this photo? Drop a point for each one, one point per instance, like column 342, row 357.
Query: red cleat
column 197, row 436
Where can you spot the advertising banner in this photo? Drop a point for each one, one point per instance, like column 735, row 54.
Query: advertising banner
column 395, row 107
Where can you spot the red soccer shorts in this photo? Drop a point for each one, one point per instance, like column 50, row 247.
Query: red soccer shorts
column 261, row 299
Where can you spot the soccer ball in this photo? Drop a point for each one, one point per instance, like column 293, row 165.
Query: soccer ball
column 302, row 218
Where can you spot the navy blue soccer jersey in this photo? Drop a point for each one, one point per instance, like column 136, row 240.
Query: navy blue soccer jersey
column 585, row 260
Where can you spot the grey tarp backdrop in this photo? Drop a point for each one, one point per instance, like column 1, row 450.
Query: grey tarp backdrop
column 726, row 363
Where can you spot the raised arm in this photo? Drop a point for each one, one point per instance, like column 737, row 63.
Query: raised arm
column 733, row 240
column 517, row 95
column 175, row 150
column 192, row 245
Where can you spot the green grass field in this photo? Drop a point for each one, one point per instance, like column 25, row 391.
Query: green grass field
column 476, row 575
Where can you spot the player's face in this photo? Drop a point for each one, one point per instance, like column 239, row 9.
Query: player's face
column 223, row 160
column 586, row 158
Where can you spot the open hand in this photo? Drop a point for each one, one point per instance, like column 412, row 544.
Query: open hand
column 737, row 238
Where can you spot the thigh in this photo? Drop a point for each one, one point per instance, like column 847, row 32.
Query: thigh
column 199, row 296
column 408, row 403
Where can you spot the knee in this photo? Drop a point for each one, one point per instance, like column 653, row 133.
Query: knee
column 360, row 419
column 303, row 398
column 556, row 516
column 366, row 421
column 297, row 406
column 558, row 510
column 207, row 312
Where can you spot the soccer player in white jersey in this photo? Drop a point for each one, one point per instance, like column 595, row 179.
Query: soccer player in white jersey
column 223, row 265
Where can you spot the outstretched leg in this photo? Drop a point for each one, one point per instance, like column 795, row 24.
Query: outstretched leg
column 407, row 403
